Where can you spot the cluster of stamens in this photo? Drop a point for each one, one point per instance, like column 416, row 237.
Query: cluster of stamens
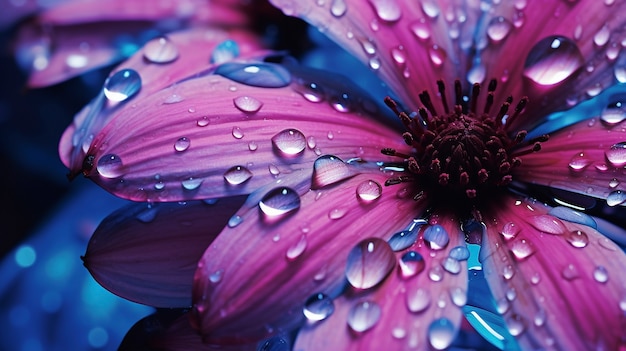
column 462, row 151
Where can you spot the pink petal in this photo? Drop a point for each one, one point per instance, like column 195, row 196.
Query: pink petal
column 560, row 285
column 148, row 253
column 270, row 266
column 182, row 142
column 421, row 312
column 586, row 158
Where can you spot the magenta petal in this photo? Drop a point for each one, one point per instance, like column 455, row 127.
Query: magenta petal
column 561, row 290
column 410, row 311
column 254, row 279
column 586, row 158
column 148, row 253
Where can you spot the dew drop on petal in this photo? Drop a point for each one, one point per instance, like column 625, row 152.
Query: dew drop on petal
column 451, row 265
column 182, row 144
column 441, row 333
column 160, row 50
column 602, row 36
column 459, row 253
column 411, row 264
column 203, row 121
column 253, row 146
column 577, row 238
column 509, row 230
column 329, row 169
column 502, row 305
column 296, row 249
column 122, row 85
column 110, row 166
column 499, row 28
column 402, row 240
column 279, row 202
column 191, row 183
column 430, row 8
column 620, row 73
column 552, row 60
column 338, row 8
column 535, row 278
column 387, row 10
column 516, row 324
column 341, row 103
column 616, row 197
column 521, row 249
column 318, row 307
column 289, row 142
column 247, row 104
column 225, row 51
column 234, row 221
column 237, row 175
column 616, row 154
column 435, row 273
column 437, row 55
column 458, row 296
column 237, row 133
column 508, row 272
column 264, row 75
column 369, row 262
column 579, row 162
column 436, row 237
column 421, row 29
column 310, row 91
column 600, row 274
column 418, row 300
column 569, row 272
column 548, row 224
column 368, row 191
column 216, row 277
column 363, row 316
column 615, row 112
column 337, row 213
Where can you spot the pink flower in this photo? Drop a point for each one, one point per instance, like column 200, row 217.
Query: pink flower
column 348, row 247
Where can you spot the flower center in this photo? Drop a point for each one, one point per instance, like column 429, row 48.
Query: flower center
column 462, row 151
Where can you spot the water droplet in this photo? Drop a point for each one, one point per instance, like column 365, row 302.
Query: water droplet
column 516, row 324
column 310, row 91
column 182, row 144
column 579, row 162
column 548, row 224
column 451, row 265
column 225, row 51
column 369, row 262
column 122, row 85
column 369, row 191
column 540, row 318
column 289, row 142
column 110, row 166
column 552, row 60
column 502, row 305
column 570, row 272
column 522, row 249
column 328, row 170
column 338, row 8
column 508, row 272
column 509, row 230
column 216, row 277
column 237, row 175
column 616, row 154
column 247, row 104
column 619, row 72
column 402, row 240
column 616, row 197
column 577, row 238
column 363, row 316
column 76, row 61
column 436, row 237
column 398, row 333
column 191, row 183
column 411, row 264
column 203, row 121
column 341, row 103
column 476, row 74
column 160, row 50
column 600, row 274
column 253, row 146
column 234, row 221
column 535, row 278
column 237, row 133
column 418, row 300
column 437, row 55
column 387, row 10
column 458, row 296
column 398, row 55
column 296, row 249
column 602, row 36
column 318, row 307
column 435, row 273
column 499, row 28
column 459, row 253
column 441, row 333
column 264, row 75
column 337, row 213
column 279, row 202
column 421, row 29
column 273, row 169
column 430, row 8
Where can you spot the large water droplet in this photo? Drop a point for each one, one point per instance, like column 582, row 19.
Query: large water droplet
column 311, row 91
column 296, row 249
column 499, row 28
column 616, row 154
column 264, row 75
column 411, row 264
column 437, row 55
column 329, row 169
column 459, row 253
column 430, row 8
column 548, row 224
column 402, row 240
column 225, row 51
column 318, row 307
column 387, row 10
column 289, row 142
column 458, row 296
column 279, row 202
column 421, row 29
column 368, row 191
column 436, row 237
column 600, row 274
column 451, row 265
column 441, row 333
column 516, row 324
column 363, row 316
column 602, row 36
column 552, row 60
column 122, row 85
column 110, row 166
column 418, row 300
column 247, row 104
column 191, row 183
column 577, row 238
column 615, row 112
column 616, row 197
column 182, row 144
column 160, row 50
column 237, row 175
column 522, row 249
column 509, row 230
column 369, row 262
column 579, row 162
column 338, row 8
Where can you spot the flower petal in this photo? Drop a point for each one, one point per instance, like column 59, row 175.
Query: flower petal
column 269, row 265
column 586, row 158
column 560, row 285
column 184, row 141
column 418, row 311
column 148, row 253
